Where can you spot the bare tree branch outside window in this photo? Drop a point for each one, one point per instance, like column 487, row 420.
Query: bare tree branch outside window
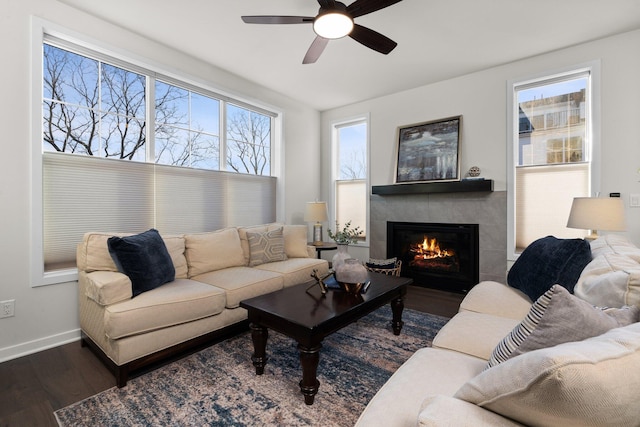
column 97, row 109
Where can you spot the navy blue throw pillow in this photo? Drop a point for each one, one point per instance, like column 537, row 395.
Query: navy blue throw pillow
column 144, row 258
column 549, row 261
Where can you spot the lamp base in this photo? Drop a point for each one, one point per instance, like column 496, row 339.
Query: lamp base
column 593, row 236
column 317, row 234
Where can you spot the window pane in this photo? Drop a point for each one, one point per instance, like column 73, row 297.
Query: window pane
column 352, row 149
column 552, row 123
column 122, row 92
column 123, row 137
column 248, row 141
column 172, row 146
column 205, row 114
column 69, row 129
column 69, row 77
column 205, row 151
column 187, row 125
column 172, row 105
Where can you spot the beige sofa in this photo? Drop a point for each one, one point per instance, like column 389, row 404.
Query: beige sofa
column 563, row 380
column 213, row 273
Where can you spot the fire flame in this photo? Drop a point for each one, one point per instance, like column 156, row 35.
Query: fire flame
column 429, row 249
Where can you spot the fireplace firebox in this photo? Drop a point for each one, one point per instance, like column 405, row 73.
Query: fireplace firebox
column 436, row 255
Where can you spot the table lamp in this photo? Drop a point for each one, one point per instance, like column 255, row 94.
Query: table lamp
column 316, row 212
column 593, row 213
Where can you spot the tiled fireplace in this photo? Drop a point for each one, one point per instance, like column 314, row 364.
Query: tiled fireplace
column 487, row 210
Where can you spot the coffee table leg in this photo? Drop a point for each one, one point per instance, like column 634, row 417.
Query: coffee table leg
column 309, row 358
column 259, row 337
column 397, row 305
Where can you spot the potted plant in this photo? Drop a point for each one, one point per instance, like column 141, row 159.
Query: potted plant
column 343, row 238
column 346, row 236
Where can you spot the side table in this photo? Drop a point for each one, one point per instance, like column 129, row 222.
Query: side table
column 326, row 246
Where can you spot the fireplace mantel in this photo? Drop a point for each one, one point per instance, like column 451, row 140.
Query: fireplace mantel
column 434, row 187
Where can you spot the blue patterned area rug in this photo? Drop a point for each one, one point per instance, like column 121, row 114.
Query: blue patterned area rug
column 218, row 386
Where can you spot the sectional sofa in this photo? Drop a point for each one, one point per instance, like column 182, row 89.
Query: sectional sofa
column 206, row 275
column 510, row 358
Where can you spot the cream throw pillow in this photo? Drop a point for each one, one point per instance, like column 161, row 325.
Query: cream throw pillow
column 207, row 252
column 595, row 382
column 295, row 241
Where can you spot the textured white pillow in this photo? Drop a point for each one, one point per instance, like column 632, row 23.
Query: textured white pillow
column 595, row 382
column 266, row 247
column 611, row 280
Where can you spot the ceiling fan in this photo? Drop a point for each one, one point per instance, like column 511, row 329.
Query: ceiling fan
column 333, row 21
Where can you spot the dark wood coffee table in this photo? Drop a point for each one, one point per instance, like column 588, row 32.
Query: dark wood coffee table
column 309, row 317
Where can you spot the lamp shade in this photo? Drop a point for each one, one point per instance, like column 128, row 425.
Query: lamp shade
column 592, row 213
column 316, row 212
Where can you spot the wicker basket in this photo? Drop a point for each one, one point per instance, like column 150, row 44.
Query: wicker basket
column 395, row 271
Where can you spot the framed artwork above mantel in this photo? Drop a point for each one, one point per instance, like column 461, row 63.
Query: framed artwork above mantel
column 429, row 151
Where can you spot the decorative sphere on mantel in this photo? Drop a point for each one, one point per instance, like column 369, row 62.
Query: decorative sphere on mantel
column 474, row 171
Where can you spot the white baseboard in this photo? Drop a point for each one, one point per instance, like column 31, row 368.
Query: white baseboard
column 30, row 347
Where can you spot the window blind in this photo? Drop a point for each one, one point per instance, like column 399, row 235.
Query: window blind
column 351, row 196
column 543, row 200
column 84, row 193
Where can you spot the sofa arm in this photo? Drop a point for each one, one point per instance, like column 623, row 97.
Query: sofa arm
column 446, row 411
column 106, row 287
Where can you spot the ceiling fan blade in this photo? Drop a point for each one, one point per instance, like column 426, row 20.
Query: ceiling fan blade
column 267, row 19
column 315, row 50
column 327, row 4
column 372, row 39
column 362, row 7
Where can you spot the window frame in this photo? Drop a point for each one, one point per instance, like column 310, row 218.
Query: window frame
column 335, row 170
column 43, row 31
column 594, row 130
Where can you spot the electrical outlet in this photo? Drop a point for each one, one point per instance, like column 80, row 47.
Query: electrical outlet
column 634, row 200
column 7, row 308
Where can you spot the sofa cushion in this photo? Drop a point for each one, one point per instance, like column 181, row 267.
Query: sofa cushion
column 266, row 246
column 295, row 271
column 176, row 248
column 476, row 334
column 428, row 371
column 295, row 241
column 144, row 258
column 558, row 317
column 593, row 382
column 498, row 299
column 549, row 261
column 180, row 301
column 439, row 411
column 242, row 283
column 213, row 251
column 107, row 287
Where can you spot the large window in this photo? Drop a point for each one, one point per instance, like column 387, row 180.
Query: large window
column 350, row 174
column 124, row 149
column 552, row 154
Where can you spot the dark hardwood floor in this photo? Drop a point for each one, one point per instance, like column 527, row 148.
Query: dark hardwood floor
column 34, row 386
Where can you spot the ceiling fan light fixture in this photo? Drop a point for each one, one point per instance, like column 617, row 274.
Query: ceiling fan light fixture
column 333, row 25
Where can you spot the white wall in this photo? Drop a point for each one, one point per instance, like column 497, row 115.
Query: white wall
column 481, row 99
column 48, row 316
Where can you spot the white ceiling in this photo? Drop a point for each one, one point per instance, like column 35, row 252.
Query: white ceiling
column 437, row 39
